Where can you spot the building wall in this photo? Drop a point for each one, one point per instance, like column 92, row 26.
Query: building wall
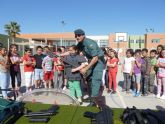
column 121, row 47
column 69, row 39
column 63, row 39
column 153, row 40
column 136, row 41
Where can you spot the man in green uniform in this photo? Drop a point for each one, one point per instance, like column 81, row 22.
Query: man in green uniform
column 95, row 58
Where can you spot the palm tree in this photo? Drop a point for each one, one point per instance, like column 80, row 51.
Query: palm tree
column 12, row 29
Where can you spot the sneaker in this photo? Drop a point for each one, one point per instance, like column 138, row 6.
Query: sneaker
column 158, row 96
column 162, row 97
column 64, row 88
column 128, row 92
column 92, row 104
column 86, row 97
column 114, row 92
column 133, row 92
column 80, row 101
column 137, row 94
column 145, row 94
column 123, row 90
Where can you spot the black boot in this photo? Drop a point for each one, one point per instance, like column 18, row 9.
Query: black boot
column 92, row 103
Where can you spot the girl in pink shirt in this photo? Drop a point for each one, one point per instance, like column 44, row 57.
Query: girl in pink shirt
column 161, row 75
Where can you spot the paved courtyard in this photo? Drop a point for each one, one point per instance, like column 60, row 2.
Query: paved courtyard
column 123, row 100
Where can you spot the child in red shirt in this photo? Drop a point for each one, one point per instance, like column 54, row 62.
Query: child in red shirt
column 58, row 71
column 29, row 63
column 112, row 64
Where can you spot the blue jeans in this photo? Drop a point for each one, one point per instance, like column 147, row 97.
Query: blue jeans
column 58, row 79
column 144, row 79
column 4, row 81
column 127, row 81
column 38, row 74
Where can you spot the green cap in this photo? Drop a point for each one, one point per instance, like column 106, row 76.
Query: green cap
column 79, row 32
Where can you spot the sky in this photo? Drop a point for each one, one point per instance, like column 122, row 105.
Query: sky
column 95, row 17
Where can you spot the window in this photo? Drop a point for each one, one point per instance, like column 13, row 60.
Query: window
column 137, row 41
column 155, row 41
column 103, row 43
column 69, row 43
column 131, row 41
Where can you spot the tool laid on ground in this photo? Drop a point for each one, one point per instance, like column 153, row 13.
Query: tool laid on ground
column 105, row 116
column 42, row 115
column 147, row 116
column 39, row 119
column 14, row 93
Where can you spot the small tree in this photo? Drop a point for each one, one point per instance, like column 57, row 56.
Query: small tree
column 12, row 29
column 129, row 43
column 140, row 43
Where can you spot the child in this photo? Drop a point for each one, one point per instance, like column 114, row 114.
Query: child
column 38, row 72
column 127, row 69
column 47, row 65
column 72, row 74
column 145, row 71
column 137, row 72
column 15, row 71
column 29, row 64
column 112, row 70
column 159, row 49
column 104, row 80
column 161, row 75
column 4, row 72
column 152, row 72
column 58, row 71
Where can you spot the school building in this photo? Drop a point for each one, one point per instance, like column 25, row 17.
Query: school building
column 118, row 41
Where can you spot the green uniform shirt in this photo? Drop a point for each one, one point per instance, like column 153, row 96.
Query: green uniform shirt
column 90, row 49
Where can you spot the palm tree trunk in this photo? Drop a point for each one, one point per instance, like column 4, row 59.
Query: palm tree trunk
column 13, row 40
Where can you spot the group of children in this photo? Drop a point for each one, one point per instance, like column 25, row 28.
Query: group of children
column 140, row 70
column 41, row 68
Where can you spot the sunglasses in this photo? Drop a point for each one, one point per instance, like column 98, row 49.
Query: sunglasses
column 78, row 35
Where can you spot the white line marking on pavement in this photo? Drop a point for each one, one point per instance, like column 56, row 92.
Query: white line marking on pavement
column 121, row 99
column 162, row 101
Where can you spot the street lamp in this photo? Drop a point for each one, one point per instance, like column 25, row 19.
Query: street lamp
column 63, row 24
column 148, row 30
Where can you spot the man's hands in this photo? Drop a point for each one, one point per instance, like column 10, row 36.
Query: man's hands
column 7, row 66
column 73, row 70
column 84, row 70
column 28, row 63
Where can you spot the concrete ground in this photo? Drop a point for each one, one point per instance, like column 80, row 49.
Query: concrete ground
column 123, row 100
